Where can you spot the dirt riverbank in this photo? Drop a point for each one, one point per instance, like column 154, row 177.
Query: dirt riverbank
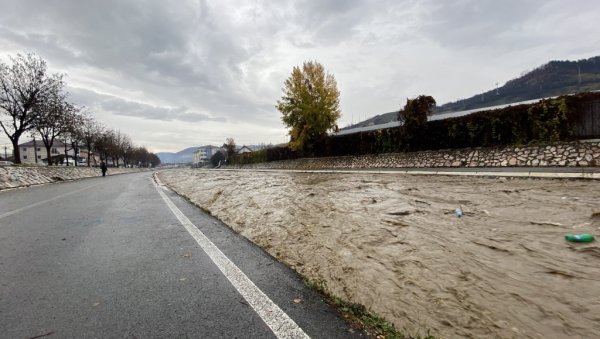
column 393, row 243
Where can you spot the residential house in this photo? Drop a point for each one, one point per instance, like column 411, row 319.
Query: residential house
column 244, row 149
column 34, row 152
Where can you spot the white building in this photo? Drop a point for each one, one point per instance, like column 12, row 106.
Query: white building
column 34, row 152
column 204, row 153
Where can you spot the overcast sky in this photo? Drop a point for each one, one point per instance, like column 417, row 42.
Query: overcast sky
column 175, row 74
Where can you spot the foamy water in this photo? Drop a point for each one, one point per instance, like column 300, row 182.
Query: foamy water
column 393, row 243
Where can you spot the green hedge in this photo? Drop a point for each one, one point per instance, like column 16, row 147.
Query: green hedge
column 265, row 155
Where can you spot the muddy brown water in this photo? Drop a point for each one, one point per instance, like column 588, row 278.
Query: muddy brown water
column 393, row 243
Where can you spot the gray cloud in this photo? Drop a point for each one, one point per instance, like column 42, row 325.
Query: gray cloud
column 121, row 107
column 202, row 62
column 503, row 25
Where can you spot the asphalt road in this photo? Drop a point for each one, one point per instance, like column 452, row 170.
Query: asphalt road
column 121, row 257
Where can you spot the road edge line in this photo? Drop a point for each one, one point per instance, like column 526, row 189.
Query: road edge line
column 278, row 321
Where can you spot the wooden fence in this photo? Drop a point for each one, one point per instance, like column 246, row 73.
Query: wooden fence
column 587, row 122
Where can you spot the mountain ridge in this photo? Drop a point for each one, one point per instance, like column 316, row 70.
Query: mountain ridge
column 553, row 78
column 182, row 157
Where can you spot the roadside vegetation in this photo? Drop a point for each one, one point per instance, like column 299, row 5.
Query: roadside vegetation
column 361, row 318
column 310, row 109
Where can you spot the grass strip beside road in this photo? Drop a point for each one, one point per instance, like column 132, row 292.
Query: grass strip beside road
column 360, row 317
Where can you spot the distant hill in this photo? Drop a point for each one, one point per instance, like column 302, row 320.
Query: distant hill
column 552, row 79
column 181, row 157
column 187, row 155
column 376, row 120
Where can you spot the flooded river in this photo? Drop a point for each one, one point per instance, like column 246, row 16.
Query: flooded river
column 393, row 243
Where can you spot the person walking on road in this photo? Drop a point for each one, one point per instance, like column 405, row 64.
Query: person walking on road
column 103, row 168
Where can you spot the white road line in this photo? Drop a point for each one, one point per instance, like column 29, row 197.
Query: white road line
column 44, row 201
column 277, row 320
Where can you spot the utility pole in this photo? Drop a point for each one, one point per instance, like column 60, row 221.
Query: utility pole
column 66, row 153
column 35, row 150
column 579, row 72
column 75, row 151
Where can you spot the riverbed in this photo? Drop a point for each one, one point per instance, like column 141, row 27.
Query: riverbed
column 394, row 243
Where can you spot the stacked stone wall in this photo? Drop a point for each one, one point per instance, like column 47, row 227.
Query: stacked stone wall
column 574, row 154
column 20, row 176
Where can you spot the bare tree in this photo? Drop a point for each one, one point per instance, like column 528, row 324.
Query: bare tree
column 55, row 119
column 120, row 143
column 139, row 156
column 88, row 133
column 125, row 146
column 23, row 86
column 74, row 123
column 105, row 145
column 153, row 160
column 229, row 146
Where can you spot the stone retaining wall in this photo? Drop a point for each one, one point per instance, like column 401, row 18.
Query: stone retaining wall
column 582, row 154
column 20, row 176
column 574, row 154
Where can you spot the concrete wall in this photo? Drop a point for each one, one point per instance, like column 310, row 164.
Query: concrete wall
column 20, row 176
column 563, row 155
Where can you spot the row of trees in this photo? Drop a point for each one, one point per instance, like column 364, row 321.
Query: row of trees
column 33, row 102
column 111, row 144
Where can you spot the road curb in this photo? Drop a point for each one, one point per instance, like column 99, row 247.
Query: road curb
column 540, row 175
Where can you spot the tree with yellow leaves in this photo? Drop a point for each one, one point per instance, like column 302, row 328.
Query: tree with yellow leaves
column 310, row 106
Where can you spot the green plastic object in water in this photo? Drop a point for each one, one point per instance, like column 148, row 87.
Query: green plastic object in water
column 579, row 237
